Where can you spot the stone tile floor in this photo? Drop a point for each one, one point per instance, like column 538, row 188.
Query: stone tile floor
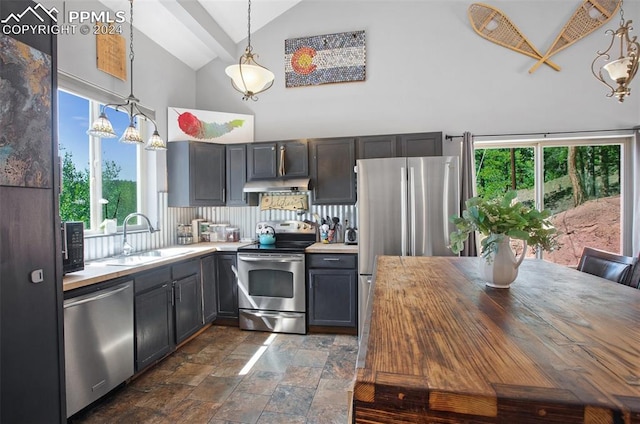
column 227, row 375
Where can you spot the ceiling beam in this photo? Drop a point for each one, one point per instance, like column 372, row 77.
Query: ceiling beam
column 197, row 19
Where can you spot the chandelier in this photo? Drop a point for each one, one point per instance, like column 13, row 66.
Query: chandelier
column 624, row 68
column 102, row 126
column 248, row 76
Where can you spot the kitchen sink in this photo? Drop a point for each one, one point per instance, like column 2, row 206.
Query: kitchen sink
column 141, row 258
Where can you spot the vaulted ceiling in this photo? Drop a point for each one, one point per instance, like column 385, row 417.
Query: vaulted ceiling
column 198, row 31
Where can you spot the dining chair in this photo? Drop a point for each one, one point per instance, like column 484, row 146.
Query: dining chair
column 614, row 267
column 634, row 275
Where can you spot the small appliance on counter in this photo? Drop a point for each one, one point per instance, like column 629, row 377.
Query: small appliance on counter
column 72, row 246
column 351, row 236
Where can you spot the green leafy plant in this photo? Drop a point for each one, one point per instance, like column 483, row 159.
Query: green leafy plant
column 498, row 217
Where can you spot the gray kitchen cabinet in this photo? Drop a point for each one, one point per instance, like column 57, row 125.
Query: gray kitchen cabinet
column 237, row 176
column 332, row 175
column 154, row 324
column 187, row 298
column 227, row 286
column 377, row 146
column 209, row 294
column 420, row 144
column 332, row 290
column 400, row 145
column 196, row 174
column 282, row 159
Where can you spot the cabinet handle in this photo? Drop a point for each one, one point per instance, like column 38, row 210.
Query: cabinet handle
column 331, row 259
column 224, row 195
column 282, row 168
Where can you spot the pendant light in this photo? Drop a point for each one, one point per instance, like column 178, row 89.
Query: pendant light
column 102, row 126
column 624, row 68
column 248, row 76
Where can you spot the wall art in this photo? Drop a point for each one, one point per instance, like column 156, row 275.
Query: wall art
column 25, row 115
column 209, row 126
column 325, row 59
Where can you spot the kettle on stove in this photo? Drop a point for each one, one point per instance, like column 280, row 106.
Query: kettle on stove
column 267, row 235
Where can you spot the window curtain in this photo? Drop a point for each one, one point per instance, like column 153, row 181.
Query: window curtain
column 468, row 187
column 635, row 225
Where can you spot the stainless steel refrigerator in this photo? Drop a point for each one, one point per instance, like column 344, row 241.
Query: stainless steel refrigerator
column 404, row 205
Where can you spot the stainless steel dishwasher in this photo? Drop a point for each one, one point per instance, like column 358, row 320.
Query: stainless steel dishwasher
column 98, row 339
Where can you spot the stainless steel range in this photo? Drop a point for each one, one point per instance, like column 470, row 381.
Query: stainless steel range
column 271, row 278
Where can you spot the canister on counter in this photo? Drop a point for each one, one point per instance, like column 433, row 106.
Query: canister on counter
column 232, row 234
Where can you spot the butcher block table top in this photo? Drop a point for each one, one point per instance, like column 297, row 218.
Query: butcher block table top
column 559, row 346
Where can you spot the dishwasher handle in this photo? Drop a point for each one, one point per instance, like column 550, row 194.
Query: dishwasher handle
column 97, row 296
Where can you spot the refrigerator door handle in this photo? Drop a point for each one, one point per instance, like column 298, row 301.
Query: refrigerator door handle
column 412, row 211
column 403, row 211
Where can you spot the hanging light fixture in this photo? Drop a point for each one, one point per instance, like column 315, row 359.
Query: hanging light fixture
column 624, row 68
column 102, row 126
column 248, row 76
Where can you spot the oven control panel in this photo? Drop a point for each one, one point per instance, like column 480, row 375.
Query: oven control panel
column 291, row 227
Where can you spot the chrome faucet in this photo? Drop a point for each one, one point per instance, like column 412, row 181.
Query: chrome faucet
column 126, row 247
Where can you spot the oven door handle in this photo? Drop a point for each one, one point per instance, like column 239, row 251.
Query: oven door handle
column 270, row 259
column 264, row 314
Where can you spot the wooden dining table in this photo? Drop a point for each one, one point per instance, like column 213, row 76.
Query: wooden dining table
column 439, row 346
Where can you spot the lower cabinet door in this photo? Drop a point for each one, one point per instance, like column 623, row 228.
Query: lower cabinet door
column 332, row 297
column 188, row 307
column 154, row 325
column 227, row 286
column 209, row 295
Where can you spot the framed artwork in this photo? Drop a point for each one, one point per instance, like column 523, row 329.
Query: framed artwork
column 325, row 59
column 209, row 126
column 25, row 116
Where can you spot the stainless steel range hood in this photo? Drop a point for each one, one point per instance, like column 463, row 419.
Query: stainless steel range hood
column 293, row 184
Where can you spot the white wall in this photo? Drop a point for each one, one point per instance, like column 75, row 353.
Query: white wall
column 427, row 70
column 160, row 81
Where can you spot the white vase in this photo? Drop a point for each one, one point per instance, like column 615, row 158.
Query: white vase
column 110, row 226
column 500, row 268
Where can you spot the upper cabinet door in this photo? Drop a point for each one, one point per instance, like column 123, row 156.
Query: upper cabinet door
column 420, row 144
column 293, row 159
column 207, row 174
column 261, row 161
column 332, row 173
column 237, row 177
column 196, row 174
column 377, row 146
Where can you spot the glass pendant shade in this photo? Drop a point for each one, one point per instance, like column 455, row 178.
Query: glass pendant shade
column 618, row 69
column 156, row 142
column 131, row 136
column 102, row 127
column 250, row 78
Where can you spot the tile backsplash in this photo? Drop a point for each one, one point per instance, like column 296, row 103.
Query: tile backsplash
column 245, row 218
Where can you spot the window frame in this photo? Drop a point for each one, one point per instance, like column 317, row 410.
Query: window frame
column 623, row 138
column 95, row 166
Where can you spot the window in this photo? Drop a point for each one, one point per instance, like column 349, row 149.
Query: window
column 579, row 181
column 100, row 177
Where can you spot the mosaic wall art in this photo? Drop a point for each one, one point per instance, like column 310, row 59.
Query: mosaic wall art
column 209, row 126
column 25, row 115
column 325, row 59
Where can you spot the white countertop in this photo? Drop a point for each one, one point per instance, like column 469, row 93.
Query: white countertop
column 98, row 271
column 332, row 248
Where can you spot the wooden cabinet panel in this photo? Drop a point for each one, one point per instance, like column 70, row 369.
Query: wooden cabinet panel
column 332, row 289
column 420, row 144
column 227, row 286
column 332, row 297
column 295, row 160
column 332, row 174
column 154, row 324
column 209, row 295
column 188, row 306
column 262, row 161
column 377, row 146
column 237, row 176
column 196, row 174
